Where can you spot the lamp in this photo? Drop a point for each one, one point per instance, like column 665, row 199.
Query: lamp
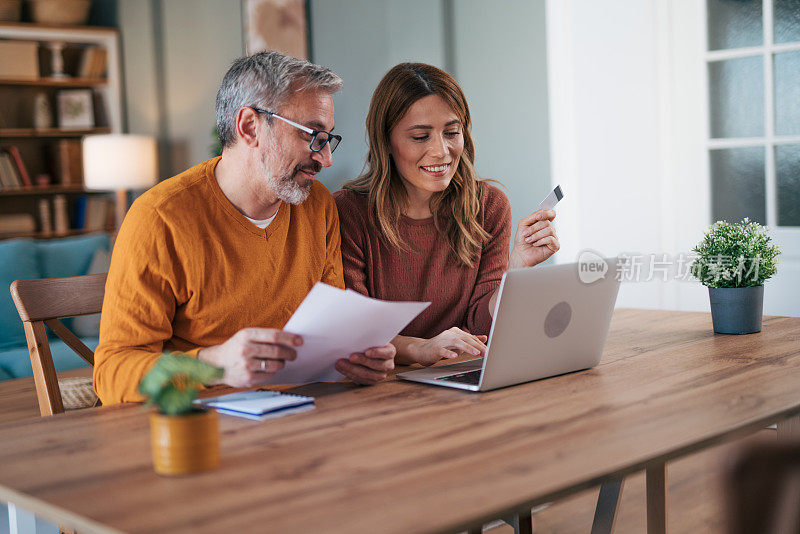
column 119, row 162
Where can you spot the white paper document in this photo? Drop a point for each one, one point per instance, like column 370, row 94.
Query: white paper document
column 334, row 324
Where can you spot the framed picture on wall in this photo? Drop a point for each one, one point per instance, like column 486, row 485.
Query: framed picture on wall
column 280, row 25
column 75, row 109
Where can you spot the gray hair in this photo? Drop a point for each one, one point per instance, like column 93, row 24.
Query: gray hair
column 266, row 80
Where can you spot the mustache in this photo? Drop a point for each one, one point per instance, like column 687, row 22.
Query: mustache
column 314, row 167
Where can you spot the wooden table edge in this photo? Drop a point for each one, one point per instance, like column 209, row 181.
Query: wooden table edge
column 743, row 430
column 54, row 514
column 652, row 461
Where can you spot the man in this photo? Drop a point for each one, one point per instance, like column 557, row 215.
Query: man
column 214, row 261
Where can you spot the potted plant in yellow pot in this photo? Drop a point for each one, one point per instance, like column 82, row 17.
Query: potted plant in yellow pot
column 733, row 261
column 184, row 437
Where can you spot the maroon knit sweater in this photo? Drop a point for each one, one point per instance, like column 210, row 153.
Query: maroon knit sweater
column 429, row 271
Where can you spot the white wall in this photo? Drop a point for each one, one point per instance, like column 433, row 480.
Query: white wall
column 175, row 54
column 201, row 40
column 501, row 63
column 608, row 133
column 139, row 66
column 361, row 40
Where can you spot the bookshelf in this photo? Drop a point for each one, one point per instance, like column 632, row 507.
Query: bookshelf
column 49, row 149
column 22, row 133
column 40, row 190
column 68, row 82
column 38, row 235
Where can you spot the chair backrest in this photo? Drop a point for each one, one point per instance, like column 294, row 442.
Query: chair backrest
column 764, row 490
column 43, row 302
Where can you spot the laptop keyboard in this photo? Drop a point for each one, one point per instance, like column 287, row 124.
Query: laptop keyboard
column 472, row 378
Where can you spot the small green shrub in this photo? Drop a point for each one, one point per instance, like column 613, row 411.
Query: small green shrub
column 735, row 255
column 173, row 382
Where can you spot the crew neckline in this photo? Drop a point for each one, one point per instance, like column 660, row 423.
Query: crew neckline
column 416, row 222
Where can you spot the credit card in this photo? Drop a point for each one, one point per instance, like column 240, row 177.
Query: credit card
column 552, row 199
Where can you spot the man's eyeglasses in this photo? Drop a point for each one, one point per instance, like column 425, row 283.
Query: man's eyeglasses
column 319, row 138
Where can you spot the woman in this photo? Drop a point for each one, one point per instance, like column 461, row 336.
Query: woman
column 419, row 224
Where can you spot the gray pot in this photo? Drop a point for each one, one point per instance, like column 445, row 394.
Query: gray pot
column 736, row 310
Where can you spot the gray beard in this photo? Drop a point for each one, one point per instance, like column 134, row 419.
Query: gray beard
column 288, row 190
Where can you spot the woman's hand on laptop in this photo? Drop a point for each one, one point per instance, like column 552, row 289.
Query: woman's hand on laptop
column 535, row 240
column 252, row 355
column 449, row 344
column 368, row 367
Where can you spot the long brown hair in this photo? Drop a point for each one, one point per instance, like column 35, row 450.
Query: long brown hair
column 455, row 209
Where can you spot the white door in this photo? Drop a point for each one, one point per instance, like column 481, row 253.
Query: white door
column 735, row 132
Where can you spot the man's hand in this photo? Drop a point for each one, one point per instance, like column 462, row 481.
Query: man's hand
column 535, row 240
column 252, row 356
column 369, row 367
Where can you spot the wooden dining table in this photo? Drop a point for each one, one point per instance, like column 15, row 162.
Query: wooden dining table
column 402, row 457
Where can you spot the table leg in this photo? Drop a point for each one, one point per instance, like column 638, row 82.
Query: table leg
column 789, row 429
column 605, row 514
column 657, row 499
column 524, row 523
column 20, row 521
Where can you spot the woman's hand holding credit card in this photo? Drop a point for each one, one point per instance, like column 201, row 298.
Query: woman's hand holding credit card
column 535, row 239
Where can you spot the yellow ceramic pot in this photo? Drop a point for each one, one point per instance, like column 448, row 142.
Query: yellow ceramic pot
column 184, row 444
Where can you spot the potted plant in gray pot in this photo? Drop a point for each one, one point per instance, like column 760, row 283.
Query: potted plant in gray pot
column 733, row 261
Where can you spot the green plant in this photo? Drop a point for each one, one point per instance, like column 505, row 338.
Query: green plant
column 735, row 255
column 173, row 382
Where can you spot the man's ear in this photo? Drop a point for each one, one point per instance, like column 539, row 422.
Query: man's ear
column 247, row 122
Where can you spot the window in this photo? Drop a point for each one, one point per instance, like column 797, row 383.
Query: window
column 753, row 68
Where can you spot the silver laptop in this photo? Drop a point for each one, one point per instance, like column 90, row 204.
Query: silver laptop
column 547, row 321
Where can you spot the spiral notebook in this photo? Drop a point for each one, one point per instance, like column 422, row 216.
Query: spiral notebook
column 259, row 404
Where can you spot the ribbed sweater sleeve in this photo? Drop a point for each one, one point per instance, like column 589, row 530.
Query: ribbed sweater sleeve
column 353, row 224
column 332, row 273
column 493, row 263
column 139, row 304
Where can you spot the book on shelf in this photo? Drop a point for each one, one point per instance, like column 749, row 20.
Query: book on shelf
column 19, row 59
column 45, row 220
column 79, row 212
column 86, row 61
column 20, row 165
column 5, row 177
column 91, row 212
column 17, row 223
column 98, row 209
column 100, row 64
column 93, row 62
column 68, row 162
column 8, row 173
column 60, row 219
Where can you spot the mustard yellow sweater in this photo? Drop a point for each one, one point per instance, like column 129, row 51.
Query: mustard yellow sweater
column 188, row 271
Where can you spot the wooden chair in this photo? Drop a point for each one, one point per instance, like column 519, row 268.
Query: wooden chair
column 43, row 302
